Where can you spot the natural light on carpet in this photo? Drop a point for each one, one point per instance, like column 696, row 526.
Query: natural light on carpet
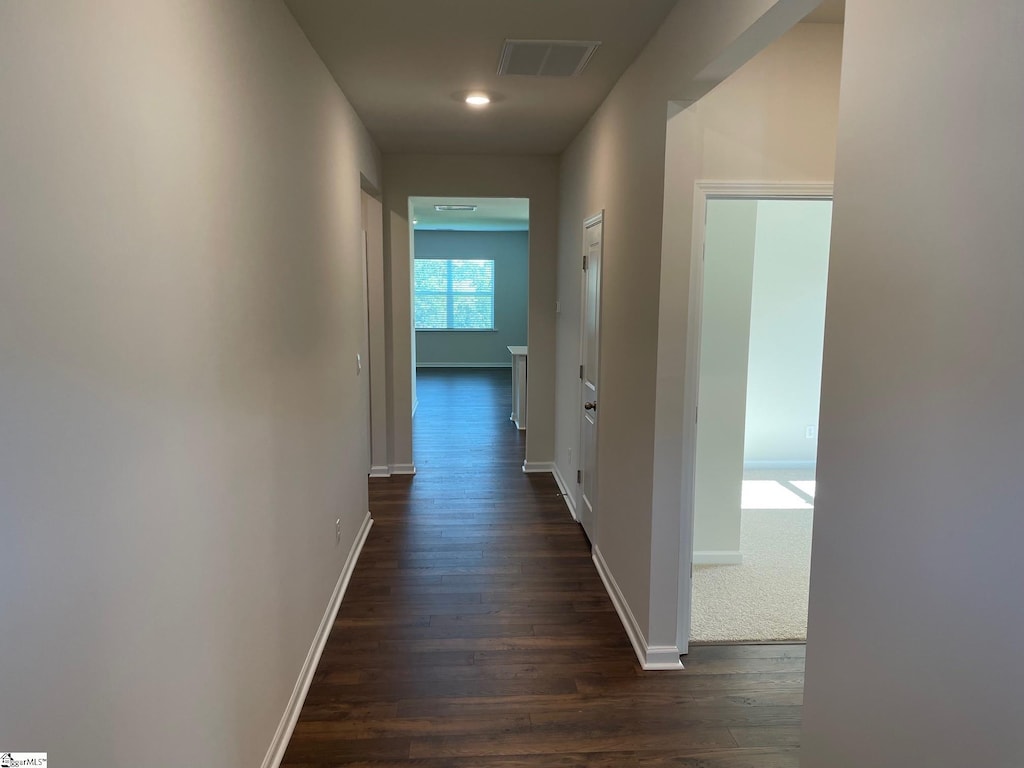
column 807, row 486
column 768, row 494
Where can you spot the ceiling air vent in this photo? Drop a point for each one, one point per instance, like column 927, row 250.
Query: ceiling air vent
column 448, row 208
column 545, row 58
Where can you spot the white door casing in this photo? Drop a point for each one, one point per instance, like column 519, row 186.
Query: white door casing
column 593, row 236
column 703, row 191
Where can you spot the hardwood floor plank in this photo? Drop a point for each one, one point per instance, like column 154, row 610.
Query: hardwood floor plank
column 783, row 735
column 735, row 758
column 476, row 633
column 397, row 727
column 550, row 743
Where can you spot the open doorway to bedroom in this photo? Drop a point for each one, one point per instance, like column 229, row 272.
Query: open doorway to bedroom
column 767, row 132
column 762, row 320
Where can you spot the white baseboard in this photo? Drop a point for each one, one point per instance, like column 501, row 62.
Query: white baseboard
column 650, row 657
column 382, row 471
column 291, row 713
column 464, row 365
column 570, row 502
column 403, row 469
column 538, row 467
column 718, row 557
column 549, row 467
column 779, row 464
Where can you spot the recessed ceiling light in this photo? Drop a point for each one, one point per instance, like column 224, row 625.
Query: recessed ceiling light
column 478, row 99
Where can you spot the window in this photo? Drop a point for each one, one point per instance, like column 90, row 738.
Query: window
column 454, row 294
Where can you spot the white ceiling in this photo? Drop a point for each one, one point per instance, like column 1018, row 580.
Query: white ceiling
column 402, row 63
column 492, row 214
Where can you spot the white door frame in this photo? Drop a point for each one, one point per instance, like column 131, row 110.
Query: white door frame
column 376, row 352
column 705, row 190
column 597, row 218
column 363, row 357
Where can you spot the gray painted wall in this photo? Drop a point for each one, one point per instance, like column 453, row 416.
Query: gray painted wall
column 510, row 252
column 916, row 614
column 181, row 422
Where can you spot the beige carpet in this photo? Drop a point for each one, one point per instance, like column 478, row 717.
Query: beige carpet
column 766, row 597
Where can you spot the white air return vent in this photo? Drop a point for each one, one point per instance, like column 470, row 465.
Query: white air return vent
column 545, row 58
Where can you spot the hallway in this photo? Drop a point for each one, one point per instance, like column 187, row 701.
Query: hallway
column 476, row 632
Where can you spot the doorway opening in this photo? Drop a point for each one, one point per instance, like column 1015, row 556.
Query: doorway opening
column 470, row 304
column 762, row 287
column 370, row 362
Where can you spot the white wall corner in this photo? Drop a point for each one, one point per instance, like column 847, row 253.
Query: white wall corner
column 653, row 657
column 718, row 557
column 382, row 471
column 403, row 469
column 291, row 713
column 570, row 502
column 538, row 467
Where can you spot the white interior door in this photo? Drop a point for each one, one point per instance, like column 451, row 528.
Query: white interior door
column 593, row 232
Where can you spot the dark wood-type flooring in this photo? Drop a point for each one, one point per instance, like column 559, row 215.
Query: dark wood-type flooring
column 475, row 632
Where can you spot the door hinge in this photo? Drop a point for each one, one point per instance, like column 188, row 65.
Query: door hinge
column 581, row 371
column 584, row 262
column 579, row 476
